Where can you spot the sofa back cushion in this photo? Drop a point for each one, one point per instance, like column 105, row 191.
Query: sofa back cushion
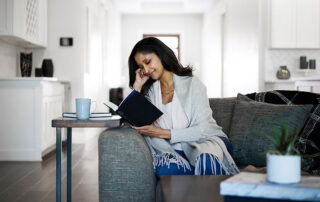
column 222, row 111
column 311, row 130
column 250, row 121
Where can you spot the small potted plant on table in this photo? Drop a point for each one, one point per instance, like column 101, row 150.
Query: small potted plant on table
column 284, row 162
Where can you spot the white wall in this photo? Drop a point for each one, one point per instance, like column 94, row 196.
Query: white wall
column 9, row 55
column 103, row 69
column 70, row 19
column 241, row 55
column 113, row 67
column 231, row 48
column 188, row 25
column 263, row 41
column 212, row 49
column 66, row 19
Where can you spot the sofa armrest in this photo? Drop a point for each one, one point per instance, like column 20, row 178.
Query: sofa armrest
column 125, row 167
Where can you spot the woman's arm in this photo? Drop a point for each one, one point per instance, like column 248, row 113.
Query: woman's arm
column 141, row 79
column 154, row 131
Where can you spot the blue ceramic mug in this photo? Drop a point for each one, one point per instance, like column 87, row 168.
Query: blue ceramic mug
column 83, row 108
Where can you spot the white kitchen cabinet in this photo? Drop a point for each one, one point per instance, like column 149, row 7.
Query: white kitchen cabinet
column 24, row 22
column 283, row 19
column 280, row 85
column 308, row 34
column 27, row 107
column 309, row 86
column 294, row 24
column 312, row 86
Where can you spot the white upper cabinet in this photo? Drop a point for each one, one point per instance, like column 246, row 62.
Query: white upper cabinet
column 308, row 23
column 283, row 27
column 294, row 24
column 24, row 22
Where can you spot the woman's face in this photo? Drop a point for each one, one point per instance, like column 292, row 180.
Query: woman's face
column 150, row 64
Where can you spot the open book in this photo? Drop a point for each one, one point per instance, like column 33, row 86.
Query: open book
column 136, row 109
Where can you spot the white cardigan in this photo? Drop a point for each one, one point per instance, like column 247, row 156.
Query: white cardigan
column 173, row 114
column 201, row 134
column 193, row 97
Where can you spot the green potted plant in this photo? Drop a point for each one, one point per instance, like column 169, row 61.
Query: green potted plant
column 284, row 162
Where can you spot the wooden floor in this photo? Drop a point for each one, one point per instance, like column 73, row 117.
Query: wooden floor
column 36, row 181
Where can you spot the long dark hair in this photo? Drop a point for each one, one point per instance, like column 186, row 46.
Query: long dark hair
column 167, row 57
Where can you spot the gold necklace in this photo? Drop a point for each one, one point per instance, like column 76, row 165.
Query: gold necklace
column 168, row 92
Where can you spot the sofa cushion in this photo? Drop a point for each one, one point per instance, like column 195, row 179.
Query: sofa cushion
column 311, row 130
column 250, row 120
column 222, row 111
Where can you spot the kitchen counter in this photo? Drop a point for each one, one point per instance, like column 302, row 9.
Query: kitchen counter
column 30, row 79
column 309, row 84
column 35, row 79
column 29, row 105
column 294, row 79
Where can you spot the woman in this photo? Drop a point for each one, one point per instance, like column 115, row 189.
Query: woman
column 185, row 139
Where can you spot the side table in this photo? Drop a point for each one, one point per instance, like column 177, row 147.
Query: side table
column 70, row 123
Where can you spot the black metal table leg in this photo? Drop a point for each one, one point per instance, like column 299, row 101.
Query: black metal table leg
column 69, row 163
column 58, row 165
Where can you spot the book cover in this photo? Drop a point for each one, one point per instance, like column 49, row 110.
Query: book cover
column 92, row 115
column 136, row 109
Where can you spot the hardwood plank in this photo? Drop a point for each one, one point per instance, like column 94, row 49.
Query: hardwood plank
column 16, row 171
column 40, row 172
column 185, row 188
column 51, row 195
column 31, row 196
column 86, row 193
column 79, row 171
column 91, row 176
column 11, row 193
column 36, row 181
column 49, row 182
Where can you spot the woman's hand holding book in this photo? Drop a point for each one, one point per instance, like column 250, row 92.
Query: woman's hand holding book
column 153, row 131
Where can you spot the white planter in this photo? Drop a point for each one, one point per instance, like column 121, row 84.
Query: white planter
column 283, row 168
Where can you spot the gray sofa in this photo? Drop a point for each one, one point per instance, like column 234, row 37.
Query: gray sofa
column 125, row 163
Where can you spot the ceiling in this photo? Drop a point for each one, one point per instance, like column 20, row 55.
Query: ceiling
column 163, row 6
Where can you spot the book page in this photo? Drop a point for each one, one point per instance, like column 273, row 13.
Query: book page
column 113, row 106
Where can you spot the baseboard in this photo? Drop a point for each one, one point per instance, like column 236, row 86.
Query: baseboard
column 20, row 155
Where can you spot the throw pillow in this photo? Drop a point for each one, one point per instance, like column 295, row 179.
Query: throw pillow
column 250, row 119
column 222, row 111
column 311, row 129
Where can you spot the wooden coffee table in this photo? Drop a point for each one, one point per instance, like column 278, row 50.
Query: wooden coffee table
column 70, row 123
column 184, row 188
